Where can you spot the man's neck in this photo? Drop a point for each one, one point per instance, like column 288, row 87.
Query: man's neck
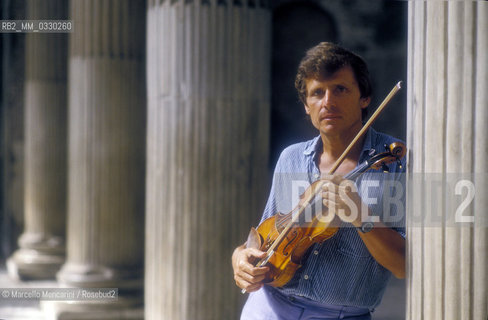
column 334, row 146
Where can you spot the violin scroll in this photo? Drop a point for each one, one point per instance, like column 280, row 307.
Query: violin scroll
column 398, row 149
column 394, row 152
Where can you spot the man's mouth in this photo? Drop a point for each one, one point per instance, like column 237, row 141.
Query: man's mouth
column 330, row 117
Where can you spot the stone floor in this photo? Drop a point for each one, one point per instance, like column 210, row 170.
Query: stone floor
column 25, row 309
column 11, row 309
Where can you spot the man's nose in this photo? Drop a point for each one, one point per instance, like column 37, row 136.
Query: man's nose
column 327, row 99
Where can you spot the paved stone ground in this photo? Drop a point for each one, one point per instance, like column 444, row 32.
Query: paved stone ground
column 12, row 309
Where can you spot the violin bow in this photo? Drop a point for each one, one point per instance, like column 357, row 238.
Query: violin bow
column 366, row 126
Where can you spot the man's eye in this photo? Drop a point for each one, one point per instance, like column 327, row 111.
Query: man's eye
column 341, row 89
column 317, row 93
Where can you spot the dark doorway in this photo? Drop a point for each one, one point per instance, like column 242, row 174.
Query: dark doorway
column 297, row 26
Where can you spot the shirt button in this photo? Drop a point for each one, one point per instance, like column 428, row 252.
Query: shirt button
column 305, row 277
column 316, row 176
column 316, row 252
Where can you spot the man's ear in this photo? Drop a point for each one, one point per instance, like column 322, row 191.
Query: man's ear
column 365, row 102
column 307, row 109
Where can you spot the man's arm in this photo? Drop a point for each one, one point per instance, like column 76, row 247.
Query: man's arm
column 386, row 245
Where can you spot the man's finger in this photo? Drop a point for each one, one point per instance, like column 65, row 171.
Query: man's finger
column 251, row 278
column 248, row 287
column 331, row 205
column 252, row 270
column 253, row 252
column 245, row 263
column 254, row 287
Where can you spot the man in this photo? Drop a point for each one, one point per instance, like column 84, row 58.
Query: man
column 345, row 276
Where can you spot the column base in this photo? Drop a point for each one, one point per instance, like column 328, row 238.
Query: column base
column 83, row 310
column 91, row 276
column 40, row 257
column 32, row 264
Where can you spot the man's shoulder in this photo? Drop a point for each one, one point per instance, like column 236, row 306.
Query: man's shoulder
column 380, row 138
column 297, row 154
column 300, row 148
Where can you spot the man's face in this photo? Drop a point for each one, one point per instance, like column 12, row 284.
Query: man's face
column 334, row 104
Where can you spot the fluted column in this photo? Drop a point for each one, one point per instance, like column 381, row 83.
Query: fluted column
column 42, row 244
column 106, row 150
column 208, row 122
column 447, row 137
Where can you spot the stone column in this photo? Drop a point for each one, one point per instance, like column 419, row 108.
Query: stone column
column 447, row 137
column 208, row 121
column 12, row 133
column 42, row 244
column 105, row 241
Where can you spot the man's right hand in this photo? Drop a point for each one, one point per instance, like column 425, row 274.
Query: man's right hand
column 246, row 275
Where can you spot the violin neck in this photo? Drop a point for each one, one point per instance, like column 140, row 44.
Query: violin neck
column 359, row 170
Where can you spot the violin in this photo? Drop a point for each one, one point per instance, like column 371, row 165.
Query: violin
column 286, row 238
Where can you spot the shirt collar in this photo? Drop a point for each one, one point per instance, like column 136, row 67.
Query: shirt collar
column 315, row 144
column 312, row 146
column 368, row 144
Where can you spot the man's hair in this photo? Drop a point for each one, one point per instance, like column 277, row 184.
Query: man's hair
column 325, row 59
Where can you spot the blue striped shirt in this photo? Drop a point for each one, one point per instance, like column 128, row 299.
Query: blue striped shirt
column 339, row 271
